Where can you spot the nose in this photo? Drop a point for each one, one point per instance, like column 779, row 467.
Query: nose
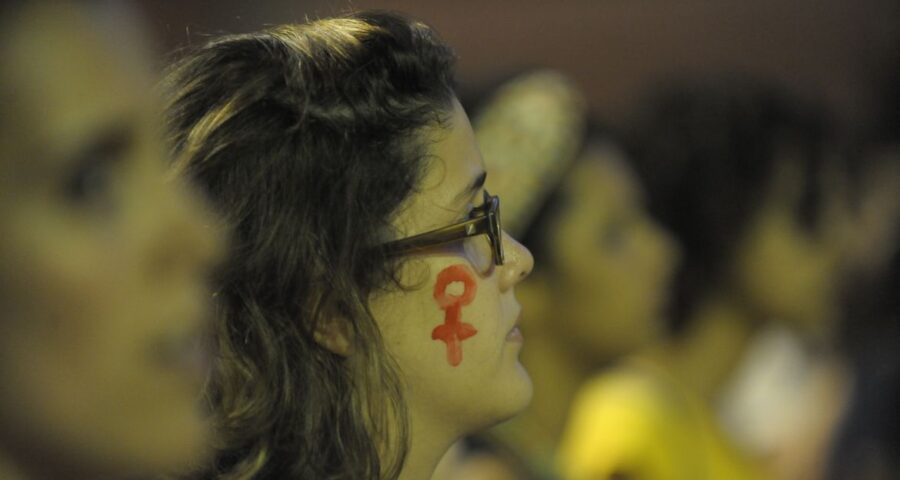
column 517, row 265
column 189, row 238
column 669, row 248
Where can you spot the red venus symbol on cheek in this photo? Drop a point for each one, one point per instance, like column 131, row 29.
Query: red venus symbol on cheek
column 453, row 331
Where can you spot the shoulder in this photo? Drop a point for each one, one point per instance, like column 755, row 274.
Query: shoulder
column 627, row 418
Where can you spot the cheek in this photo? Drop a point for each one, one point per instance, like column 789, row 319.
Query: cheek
column 77, row 361
column 55, row 346
column 71, row 305
column 67, row 322
column 454, row 289
column 780, row 273
column 610, row 301
column 600, row 284
column 449, row 326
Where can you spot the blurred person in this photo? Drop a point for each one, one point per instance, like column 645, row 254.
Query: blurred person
column 599, row 295
column 744, row 177
column 867, row 444
column 602, row 278
column 368, row 314
column 103, row 263
column 849, row 380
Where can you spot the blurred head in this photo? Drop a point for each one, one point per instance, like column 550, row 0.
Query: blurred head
column 605, row 263
column 873, row 256
column 102, row 263
column 603, row 267
column 742, row 175
column 875, row 215
column 320, row 143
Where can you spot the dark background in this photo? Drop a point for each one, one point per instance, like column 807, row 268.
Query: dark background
column 844, row 52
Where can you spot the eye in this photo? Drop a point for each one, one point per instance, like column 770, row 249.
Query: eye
column 478, row 251
column 613, row 235
column 91, row 178
column 88, row 182
column 477, row 210
column 472, row 211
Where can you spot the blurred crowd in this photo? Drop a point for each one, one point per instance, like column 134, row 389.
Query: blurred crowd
column 713, row 295
column 713, row 285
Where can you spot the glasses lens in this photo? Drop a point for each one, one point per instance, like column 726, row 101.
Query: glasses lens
column 497, row 231
column 480, row 253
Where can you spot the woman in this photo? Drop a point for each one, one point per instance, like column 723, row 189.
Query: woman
column 740, row 173
column 350, row 346
column 102, row 263
column 867, row 443
column 601, row 286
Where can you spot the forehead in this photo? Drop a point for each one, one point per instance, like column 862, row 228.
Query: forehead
column 62, row 80
column 454, row 163
column 456, row 158
column 604, row 177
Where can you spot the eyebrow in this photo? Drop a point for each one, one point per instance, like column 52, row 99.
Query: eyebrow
column 471, row 189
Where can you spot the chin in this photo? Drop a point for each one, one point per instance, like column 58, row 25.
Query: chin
column 171, row 447
column 526, row 386
column 515, row 397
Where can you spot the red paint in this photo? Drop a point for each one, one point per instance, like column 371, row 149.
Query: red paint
column 453, row 331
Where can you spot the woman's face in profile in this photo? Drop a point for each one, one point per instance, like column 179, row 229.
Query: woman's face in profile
column 789, row 271
column 454, row 332
column 102, row 263
column 612, row 264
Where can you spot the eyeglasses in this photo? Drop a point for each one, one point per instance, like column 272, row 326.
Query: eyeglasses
column 484, row 219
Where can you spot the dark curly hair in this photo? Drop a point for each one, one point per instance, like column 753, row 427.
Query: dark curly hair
column 707, row 151
column 306, row 138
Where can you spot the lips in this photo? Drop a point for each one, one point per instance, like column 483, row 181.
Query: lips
column 515, row 334
column 187, row 352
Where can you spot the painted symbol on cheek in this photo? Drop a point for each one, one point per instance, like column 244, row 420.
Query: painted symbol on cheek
column 453, row 331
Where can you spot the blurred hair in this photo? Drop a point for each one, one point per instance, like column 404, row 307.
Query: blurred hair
column 885, row 126
column 536, row 236
column 706, row 153
column 8, row 9
column 307, row 139
column 549, row 203
column 867, row 444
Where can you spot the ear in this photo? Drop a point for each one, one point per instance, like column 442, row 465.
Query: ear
column 335, row 334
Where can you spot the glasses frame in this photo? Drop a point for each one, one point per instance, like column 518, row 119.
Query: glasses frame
column 484, row 219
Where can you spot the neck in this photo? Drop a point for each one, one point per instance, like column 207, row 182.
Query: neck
column 703, row 357
column 20, row 462
column 429, row 444
column 556, row 371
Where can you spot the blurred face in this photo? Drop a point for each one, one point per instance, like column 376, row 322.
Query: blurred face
column 874, row 229
column 454, row 334
column 611, row 264
column 786, row 271
column 102, row 264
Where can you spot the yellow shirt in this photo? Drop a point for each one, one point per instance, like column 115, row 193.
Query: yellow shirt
column 634, row 422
